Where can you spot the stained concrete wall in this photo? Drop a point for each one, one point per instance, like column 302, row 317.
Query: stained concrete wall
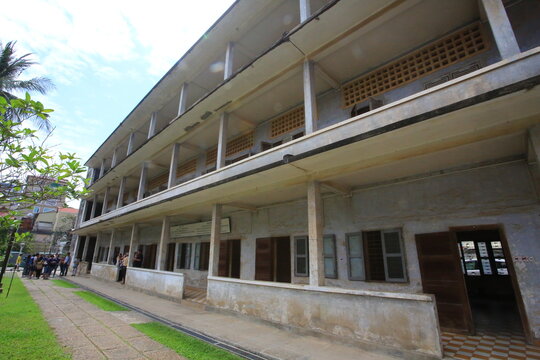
column 353, row 314
column 104, row 271
column 165, row 284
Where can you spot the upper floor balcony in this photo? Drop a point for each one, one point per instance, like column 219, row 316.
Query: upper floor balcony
column 348, row 64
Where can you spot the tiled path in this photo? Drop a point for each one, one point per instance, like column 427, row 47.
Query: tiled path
column 501, row 345
column 91, row 333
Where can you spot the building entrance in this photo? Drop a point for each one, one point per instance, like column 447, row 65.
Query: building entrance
column 468, row 273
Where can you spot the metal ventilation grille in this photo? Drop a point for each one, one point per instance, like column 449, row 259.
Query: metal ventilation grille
column 234, row 146
column 186, row 168
column 288, row 122
column 158, row 181
column 241, row 143
column 449, row 50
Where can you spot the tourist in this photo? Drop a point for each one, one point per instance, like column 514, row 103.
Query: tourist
column 67, row 262
column 124, row 264
column 54, row 260
column 137, row 259
column 18, row 263
column 27, row 266
column 47, row 267
column 74, row 267
column 39, row 263
column 119, row 263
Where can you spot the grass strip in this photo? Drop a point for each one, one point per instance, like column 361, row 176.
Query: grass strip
column 100, row 302
column 63, row 283
column 24, row 332
column 185, row 345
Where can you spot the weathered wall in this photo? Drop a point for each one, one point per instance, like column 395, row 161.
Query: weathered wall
column 358, row 315
column 162, row 283
column 104, row 271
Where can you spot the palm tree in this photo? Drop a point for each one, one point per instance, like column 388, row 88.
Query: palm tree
column 11, row 67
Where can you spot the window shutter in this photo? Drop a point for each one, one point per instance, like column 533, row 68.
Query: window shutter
column 394, row 266
column 301, row 256
column 205, row 255
column 264, row 267
column 375, row 265
column 197, row 261
column 355, row 254
column 329, row 251
column 223, row 268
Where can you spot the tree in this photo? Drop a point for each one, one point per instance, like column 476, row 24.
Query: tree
column 11, row 68
column 23, row 154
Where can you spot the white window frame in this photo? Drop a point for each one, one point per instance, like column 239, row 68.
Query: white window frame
column 359, row 235
column 331, row 238
column 187, row 255
column 389, row 255
column 300, row 256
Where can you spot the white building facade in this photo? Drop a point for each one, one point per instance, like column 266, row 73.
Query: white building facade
column 365, row 170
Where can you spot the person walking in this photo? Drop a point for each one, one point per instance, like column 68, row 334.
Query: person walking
column 67, row 262
column 74, row 267
column 40, row 262
column 27, row 266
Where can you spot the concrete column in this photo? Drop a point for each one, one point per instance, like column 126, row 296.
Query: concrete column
column 215, row 238
column 175, row 255
column 131, row 141
column 310, row 99
column 111, row 243
column 82, row 213
column 222, row 140
column 534, row 144
column 102, row 168
column 152, row 125
column 183, row 99
column 85, row 249
column 142, row 181
column 201, row 164
column 501, row 27
column 94, row 206
column 315, row 233
column 98, row 239
column 229, row 61
column 174, row 165
column 163, row 241
column 305, row 10
column 75, row 242
column 114, row 157
column 105, row 200
column 120, row 199
column 134, row 241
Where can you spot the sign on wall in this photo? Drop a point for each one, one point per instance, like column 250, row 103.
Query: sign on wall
column 198, row 229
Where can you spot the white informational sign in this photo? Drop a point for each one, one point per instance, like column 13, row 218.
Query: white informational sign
column 482, row 249
column 198, row 229
column 486, row 266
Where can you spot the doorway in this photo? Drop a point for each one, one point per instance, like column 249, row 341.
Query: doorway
column 489, row 286
column 273, row 259
column 470, row 273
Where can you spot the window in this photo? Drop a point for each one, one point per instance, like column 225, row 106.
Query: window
column 183, row 256
column 356, row 256
column 329, row 252
column 301, row 256
column 376, row 256
column 202, row 255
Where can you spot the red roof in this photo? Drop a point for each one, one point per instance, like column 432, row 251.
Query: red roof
column 68, row 210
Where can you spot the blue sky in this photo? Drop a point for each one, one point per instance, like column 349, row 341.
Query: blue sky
column 103, row 56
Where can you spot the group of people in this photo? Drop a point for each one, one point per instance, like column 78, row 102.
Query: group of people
column 122, row 262
column 43, row 266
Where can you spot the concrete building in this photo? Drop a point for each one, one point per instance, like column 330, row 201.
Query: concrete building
column 52, row 230
column 365, row 170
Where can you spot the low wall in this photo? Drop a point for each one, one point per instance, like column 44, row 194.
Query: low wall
column 166, row 284
column 104, row 271
column 402, row 322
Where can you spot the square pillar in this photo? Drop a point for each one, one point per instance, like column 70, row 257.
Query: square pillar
column 183, row 99
column 94, row 206
column 501, row 27
column 120, row 199
column 85, row 249
column 310, row 99
column 131, row 142
column 305, row 10
column 315, row 234
column 229, row 61
column 222, row 140
column 152, row 125
column 215, row 238
column 174, row 165
column 105, row 200
column 111, row 253
column 163, row 241
column 98, row 239
column 102, row 168
column 114, row 157
column 134, row 241
column 142, row 181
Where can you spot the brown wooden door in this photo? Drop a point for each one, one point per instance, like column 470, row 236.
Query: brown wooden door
column 283, row 259
column 223, row 268
column 169, row 260
column 235, row 246
column 264, row 260
column 442, row 276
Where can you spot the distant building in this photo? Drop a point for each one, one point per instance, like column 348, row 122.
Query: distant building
column 366, row 170
column 52, row 230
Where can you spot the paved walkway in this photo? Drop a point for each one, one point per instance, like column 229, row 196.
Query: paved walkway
column 258, row 337
column 91, row 333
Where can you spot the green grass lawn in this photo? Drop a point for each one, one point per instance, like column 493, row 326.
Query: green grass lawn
column 183, row 344
column 24, row 332
column 100, row 302
column 63, row 283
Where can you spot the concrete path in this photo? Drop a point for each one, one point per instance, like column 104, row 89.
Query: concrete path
column 258, row 337
column 91, row 333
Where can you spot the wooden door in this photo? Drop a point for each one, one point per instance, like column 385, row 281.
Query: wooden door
column 223, row 268
column 283, row 259
column 169, row 260
column 442, row 276
column 235, row 246
column 264, row 259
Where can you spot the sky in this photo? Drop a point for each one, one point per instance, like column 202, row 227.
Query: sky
column 102, row 56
